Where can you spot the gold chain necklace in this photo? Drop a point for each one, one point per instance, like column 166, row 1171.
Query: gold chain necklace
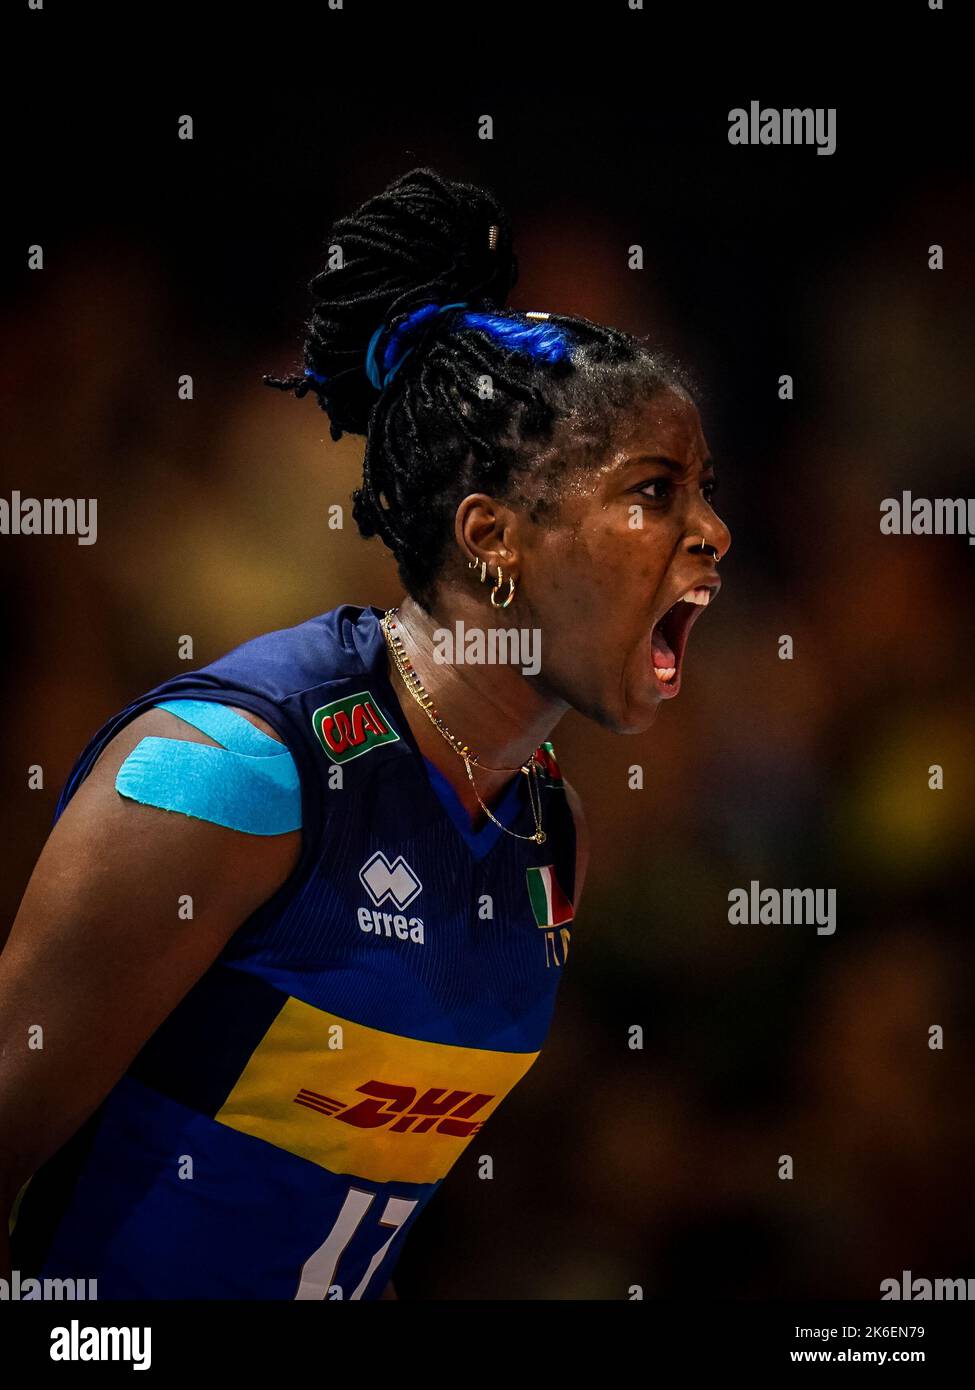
column 416, row 688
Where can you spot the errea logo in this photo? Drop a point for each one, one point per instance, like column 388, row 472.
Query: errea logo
column 394, row 883
column 383, row 880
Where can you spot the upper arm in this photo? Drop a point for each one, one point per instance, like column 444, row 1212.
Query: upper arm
column 582, row 841
column 126, row 908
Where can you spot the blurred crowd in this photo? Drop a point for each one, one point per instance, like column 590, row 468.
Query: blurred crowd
column 615, row 1166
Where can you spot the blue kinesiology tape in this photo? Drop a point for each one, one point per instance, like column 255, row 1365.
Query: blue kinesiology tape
column 224, row 725
column 250, row 783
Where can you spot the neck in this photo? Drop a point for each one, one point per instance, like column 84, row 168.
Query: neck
column 500, row 714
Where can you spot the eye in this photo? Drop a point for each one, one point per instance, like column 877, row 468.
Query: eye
column 657, row 489
column 709, row 488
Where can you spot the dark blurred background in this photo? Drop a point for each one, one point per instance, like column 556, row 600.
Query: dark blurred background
column 613, row 1167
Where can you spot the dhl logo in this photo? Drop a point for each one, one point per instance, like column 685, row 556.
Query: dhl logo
column 384, row 1107
column 400, row 1109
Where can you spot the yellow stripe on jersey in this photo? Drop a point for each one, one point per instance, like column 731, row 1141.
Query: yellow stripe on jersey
column 360, row 1101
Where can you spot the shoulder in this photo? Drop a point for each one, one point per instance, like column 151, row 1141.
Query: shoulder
column 258, row 723
column 207, row 760
column 162, row 723
column 135, row 812
column 330, row 647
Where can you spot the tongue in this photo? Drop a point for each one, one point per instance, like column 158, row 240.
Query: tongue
column 662, row 655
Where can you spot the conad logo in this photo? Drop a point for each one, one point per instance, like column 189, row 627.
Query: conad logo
column 348, row 728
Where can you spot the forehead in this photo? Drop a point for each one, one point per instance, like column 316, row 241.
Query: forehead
column 666, row 424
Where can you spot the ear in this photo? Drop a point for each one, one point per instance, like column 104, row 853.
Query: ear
column 482, row 530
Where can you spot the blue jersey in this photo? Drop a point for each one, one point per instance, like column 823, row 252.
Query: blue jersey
column 277, row 1136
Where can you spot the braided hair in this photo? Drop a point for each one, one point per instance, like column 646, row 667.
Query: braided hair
column 478, row 398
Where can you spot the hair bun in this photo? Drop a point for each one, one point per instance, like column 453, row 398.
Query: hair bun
column 424, row 239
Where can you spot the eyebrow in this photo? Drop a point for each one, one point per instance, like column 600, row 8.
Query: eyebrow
column 672, row 464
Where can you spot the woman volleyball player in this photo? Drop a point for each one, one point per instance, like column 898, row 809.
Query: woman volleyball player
column 300, row 922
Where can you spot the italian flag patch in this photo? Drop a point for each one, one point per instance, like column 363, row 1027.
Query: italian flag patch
column 549, row 904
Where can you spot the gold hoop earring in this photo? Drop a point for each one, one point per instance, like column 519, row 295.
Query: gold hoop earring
column 497, row 589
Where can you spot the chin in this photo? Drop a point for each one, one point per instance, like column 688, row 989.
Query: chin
column 639, row 726
column 616, row 708
column 621, row 722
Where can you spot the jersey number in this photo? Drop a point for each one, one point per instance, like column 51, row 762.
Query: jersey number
column 318, row 1271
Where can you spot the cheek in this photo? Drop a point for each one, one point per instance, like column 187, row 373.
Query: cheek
column 630, row 562
column 604, row 598
column 573, row 594
column 601, row 571
column 587, row 573
column 649, row 547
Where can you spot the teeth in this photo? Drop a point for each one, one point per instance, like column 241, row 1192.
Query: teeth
column 665, row 673
column 700, row 596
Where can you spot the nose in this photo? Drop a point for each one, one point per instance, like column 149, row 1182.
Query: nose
column 711, row 533
column 714, row 541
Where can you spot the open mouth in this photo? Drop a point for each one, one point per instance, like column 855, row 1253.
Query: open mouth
column 668, row 637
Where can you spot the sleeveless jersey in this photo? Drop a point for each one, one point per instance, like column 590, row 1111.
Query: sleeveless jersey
column 279, row 1133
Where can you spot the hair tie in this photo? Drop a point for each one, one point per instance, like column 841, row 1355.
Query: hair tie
column 391, row 362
